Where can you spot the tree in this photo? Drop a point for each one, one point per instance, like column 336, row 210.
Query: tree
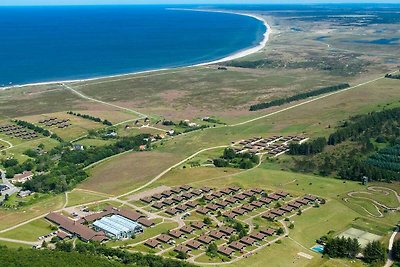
column 246, row 164
column 229, row 153
column 182, row 255
column 232, row 238
column 212, row 250
column 375, row 253
column 341, row 247
column 280, row 231
column 220, row 163
column 10, row 163
column 207, row 220
column 396, row 250
column 63, row 246
column 252, row 199
column 242, row 233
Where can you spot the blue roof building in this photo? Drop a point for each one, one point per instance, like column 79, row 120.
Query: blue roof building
column 117, row 227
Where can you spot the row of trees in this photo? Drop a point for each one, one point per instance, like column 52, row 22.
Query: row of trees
column 33, row 127
column 69, row 170
column 314, row 146
column 300, row 96
column 341, row 247
column 393, row 76
column 39, row 129
column 89, row 117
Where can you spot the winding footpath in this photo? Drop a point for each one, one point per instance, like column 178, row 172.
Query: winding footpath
column 102, row 102
column 8, row 143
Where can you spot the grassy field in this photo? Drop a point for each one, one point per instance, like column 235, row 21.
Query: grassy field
column 13, row 245
column 77, row 197
column 90, row 142
column 18, row 150
column 124, row 173
column 30, row 231
column 11, row 217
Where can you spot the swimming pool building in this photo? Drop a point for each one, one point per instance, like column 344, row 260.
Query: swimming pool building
column 117, row 227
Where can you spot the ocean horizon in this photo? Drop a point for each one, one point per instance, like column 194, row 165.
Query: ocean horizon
column 44, row 44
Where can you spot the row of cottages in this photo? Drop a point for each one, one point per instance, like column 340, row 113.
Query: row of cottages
column 232, row 196
column 175, row 191
column 289, row 207
column 18, row 131
column 245, row 208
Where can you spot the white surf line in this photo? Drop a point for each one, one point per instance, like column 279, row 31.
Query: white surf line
column 103, row 102
column 308, row 101
column 244, row 52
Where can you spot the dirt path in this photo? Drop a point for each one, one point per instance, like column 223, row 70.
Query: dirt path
column 369, row 213
column 8, row 143
column 103, row 102
column 375, row 203
column 20, row 241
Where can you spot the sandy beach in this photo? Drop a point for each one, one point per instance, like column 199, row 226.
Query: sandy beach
column 236, row 55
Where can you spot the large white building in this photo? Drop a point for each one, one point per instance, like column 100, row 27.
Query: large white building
column 117, row 227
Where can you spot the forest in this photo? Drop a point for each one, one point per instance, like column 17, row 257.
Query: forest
column 95, row 255
column 355, row 150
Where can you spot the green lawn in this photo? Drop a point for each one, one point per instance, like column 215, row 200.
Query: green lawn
column 30, row 231
column 10, row 217
column 13, row 245
column 77, row 197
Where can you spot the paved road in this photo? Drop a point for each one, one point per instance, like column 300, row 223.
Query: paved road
column 12, row 189
column 20, row 241
column 390, row 260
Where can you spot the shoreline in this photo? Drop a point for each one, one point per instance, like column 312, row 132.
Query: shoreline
column 239, row 54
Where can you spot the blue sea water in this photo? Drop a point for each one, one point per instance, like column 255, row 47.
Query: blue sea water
column 39, row 44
